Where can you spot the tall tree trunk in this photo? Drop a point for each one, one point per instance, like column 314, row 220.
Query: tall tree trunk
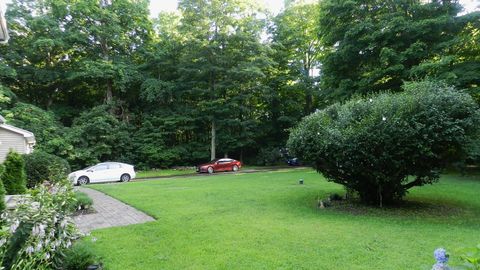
column 109, row 91
column 212, row 146
column 308, row 86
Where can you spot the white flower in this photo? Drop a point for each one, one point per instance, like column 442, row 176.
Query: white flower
column 47, row 256
column 38, row 230
column 370, row 100
column 39, row 246
column 384, row 118
column 14, row 226
column 29, row 250
column 56, row 243
column 63, row 224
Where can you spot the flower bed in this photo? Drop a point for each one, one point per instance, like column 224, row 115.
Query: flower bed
column 38, row 231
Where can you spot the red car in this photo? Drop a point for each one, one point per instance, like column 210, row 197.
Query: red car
column 220, row 165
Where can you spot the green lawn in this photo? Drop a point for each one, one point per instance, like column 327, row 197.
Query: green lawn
column 268, row 221
column 165, row 172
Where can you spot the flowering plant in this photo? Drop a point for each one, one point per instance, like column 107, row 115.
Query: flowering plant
column 441, row 256
column 36, row 231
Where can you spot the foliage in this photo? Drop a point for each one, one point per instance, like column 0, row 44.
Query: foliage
column 216, row 75
column 14, row 178
column 269, row 156
column 298, row 50
column 98, row 136
column 38, row 228
column 82, row 201
column 375, row 46
column 151, row 150
column 7, row 98
column 41, row 166
column 2, row 194
column 471, row 258
column 459, row 61
column 49, row 133
column 79, row 256
column 376, row 145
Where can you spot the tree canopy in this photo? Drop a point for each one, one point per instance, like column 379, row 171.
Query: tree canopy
column 100, row 80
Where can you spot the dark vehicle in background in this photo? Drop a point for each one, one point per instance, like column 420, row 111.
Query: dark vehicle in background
column 220, row 165
column 292, row 161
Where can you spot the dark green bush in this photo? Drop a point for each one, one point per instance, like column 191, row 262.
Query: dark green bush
column 270, row 156
column 14, row 178
column 49, row 133
column 82, row 201
column 79, row 256
column 384, row 145
column 2, row 193
column 97, row 135
column 41, row 166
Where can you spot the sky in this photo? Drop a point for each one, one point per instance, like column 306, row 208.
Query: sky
column 276, row 5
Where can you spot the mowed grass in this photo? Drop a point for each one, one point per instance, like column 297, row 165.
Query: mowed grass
column 165, row 172
column 269, row 221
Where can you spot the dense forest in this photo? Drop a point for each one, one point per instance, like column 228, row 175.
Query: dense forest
column 99, row 80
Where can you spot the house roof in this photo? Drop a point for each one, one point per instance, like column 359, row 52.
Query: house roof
column 29, row 136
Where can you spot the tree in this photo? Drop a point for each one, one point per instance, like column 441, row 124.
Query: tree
column 223, row 66
column 49, row 133
column 14, row 177
column 458, row 62
column 375, row 145
column 297, row 46
column 97, row 135
column 108, row 36
column 38, row 51
column 371, row 46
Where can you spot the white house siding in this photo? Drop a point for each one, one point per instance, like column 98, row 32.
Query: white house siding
column 11, row 140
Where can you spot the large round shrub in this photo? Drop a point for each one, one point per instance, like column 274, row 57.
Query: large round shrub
column 386, row 144
column 41, row 166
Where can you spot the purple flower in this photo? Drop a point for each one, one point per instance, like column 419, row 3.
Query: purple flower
column 440, row 255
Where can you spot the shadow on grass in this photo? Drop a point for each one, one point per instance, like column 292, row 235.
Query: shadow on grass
column 406, row 209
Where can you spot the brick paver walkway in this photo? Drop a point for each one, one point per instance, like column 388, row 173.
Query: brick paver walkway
column 110, row 213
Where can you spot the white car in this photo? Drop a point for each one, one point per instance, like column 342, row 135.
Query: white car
column 103, row 172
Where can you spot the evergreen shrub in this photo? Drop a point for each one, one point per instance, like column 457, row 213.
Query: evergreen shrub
column 381, row 146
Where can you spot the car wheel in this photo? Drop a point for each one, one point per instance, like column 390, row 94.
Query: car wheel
column 235, row 168
column 125, row 177
column 210, row 170
column 83, row 180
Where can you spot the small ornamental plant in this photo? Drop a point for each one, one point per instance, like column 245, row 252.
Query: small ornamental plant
column 441, row 256
column 35, row 234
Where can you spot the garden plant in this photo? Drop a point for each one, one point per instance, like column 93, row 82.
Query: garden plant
column 13, row 177
column 382, row 145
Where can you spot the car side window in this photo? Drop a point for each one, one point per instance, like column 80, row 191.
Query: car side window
column 114, row 166
column 100, row 168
